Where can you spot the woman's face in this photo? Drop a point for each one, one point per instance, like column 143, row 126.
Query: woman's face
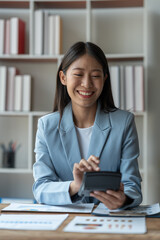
column 84, row 80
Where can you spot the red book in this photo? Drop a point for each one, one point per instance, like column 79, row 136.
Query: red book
column 17, row 36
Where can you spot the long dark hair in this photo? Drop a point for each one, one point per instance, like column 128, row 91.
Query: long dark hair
column 77, row 50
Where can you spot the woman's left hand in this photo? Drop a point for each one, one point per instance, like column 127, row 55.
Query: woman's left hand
column 111, row 199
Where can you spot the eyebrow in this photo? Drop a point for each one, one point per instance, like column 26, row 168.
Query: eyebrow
column 94, row 70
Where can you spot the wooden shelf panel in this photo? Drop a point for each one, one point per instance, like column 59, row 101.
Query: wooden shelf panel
column 14, row 4
column 60, row 4
column 125, row 59
column 117, row 3
column 30, row 58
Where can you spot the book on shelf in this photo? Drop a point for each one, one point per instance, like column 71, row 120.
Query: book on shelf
column 127, row 84
column 139, row 88
column 17, row 36
column 15, row 90
column 48, row 33
column 115, row 84
column 22, row 97
column 54, row 36
column 38, row 44
column 12, row 72
column 58, row 35
column 7, row 39
column 18, row 93
column 2, row 33
column 51, row 34
column 26, row 96
column 3, row 87
column 122, row 88
column 129, row 88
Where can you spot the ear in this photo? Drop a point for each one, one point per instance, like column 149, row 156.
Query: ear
column 62, row 77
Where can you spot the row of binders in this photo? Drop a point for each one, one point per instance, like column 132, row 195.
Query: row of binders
column 48, row 33
column 127, row 84
column 12, row 36
column 15, row 90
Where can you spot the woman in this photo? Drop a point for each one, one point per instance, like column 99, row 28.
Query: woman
column 85, row 132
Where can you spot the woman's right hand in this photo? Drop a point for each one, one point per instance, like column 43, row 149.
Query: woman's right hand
column 78, row 170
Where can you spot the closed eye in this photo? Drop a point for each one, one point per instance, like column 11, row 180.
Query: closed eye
column 96, row 76
column 78, row 75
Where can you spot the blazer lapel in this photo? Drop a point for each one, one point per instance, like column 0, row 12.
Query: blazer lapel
column 100, row 133
column 69, row 137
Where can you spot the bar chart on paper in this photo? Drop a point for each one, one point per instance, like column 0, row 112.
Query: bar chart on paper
column 107, row 225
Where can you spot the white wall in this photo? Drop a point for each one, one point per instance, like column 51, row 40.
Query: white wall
column 153, row 99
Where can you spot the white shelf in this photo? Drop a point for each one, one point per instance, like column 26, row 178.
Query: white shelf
column 30, row 57
column 16, row 170
column 34, row 113
column 29, row 171
column 133, row 56
column 40, row 113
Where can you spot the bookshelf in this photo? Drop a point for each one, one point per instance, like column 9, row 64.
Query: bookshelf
column 118, row 26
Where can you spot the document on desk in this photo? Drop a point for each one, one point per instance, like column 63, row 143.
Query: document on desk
column 115, row 225
column 72, row 208
column 142, row 210
column 31, row 221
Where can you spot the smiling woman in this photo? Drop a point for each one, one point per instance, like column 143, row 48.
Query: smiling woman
column 85, row 133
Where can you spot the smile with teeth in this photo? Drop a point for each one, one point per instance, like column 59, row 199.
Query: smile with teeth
column 85, row 93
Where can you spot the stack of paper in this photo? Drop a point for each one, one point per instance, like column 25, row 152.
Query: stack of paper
column 73, row 208
column 142, row 210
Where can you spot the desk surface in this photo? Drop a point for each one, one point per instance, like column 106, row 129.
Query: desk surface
column 153, row 232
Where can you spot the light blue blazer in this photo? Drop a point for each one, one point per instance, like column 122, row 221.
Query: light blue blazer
column 114, row 140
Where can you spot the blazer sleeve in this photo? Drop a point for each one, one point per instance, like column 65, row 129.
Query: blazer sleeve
column 129, row 164
column 47, row 187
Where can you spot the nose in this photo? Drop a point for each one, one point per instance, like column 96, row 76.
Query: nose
column 87, row 82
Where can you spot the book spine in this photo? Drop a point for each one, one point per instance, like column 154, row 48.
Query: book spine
column 7, row 37
column 3, row 87
column 122, row 89
column 58, row 34
column 21, row 36
column 2, row 35
column 26, row 106
column 139, row 88
column 18, row 93
column 52, row 23
column 17, row 36
column 129, row 88
column 115, row 84
column 46, row 32
column 12, row 71
column 38, row 44
column 13, row 36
